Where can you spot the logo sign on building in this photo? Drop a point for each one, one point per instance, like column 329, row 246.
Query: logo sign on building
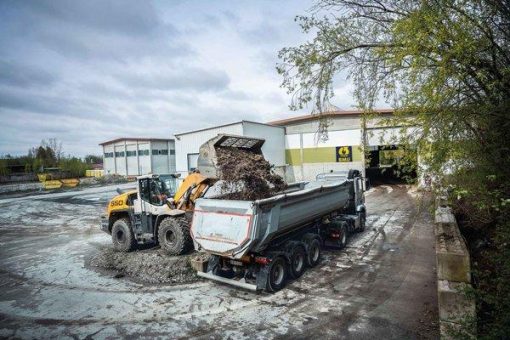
column 344, row 153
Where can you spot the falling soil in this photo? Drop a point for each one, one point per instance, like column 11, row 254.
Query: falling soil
column 145, row 266
column 249, row 173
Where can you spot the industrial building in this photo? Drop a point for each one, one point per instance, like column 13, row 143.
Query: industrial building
column 291, row 145
column 307, row 155
column 187, row 144
column 138, row 156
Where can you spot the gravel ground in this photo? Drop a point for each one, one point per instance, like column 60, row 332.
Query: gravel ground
column 145, row 266
column 381, row 286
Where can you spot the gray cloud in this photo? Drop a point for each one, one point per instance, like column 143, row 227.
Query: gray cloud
column 186, row 78
column 88, row 71
column 15, row 74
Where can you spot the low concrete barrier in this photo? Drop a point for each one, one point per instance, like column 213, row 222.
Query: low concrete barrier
column 31, row 186
column 456, row 308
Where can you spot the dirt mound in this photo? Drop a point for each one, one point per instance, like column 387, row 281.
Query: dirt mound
column 248, row 171
column 146, row 266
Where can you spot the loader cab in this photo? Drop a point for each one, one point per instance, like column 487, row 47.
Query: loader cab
column 156, row 189
column 151, row 202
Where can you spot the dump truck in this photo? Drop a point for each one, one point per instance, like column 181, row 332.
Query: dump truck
column 158, row 211
column 260, row 244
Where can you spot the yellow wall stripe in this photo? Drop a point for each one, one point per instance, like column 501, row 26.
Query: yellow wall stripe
column 318, row 155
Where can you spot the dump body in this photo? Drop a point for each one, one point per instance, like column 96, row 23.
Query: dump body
column 236, row 228
column 207, row 162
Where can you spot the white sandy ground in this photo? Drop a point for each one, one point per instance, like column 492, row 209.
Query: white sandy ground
column 46, row 290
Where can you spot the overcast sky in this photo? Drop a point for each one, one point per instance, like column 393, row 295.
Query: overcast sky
column 88, row 71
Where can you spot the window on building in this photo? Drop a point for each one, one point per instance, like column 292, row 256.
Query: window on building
column 108, row 154
column 163, row 152
column 172, row 152
column 119, row 153
column 155, row 152
column 130, row 153
column 192, row 161
column 143, row 152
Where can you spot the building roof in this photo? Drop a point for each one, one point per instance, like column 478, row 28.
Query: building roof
column 224, row 125
column 131, row 139
column 338, row 113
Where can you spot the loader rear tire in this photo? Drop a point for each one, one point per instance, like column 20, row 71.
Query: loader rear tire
column 174, row 236
column 122, row 236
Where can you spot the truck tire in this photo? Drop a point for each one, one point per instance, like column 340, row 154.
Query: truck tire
column 353, row 173
column 342, row 240
column 174, row 235
column 123, row 238
column 297, row 265
column 277, row 274
column 362, row 221
column 313, row 252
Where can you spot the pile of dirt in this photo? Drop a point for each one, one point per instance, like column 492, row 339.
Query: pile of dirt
column 249, row 172
column 146, row 266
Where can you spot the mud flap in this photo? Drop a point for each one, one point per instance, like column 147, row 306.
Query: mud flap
column 262, row 275
column 214, row 262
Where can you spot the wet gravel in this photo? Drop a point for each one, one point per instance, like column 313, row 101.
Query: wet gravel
column 151, row 266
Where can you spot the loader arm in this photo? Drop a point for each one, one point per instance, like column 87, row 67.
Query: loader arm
column 192, row 187
column 196, row 184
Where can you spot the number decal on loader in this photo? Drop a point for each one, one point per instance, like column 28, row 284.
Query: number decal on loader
column 117, row 203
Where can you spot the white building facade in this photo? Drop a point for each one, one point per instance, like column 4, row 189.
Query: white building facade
column 307, row 156
column 138, row 156
column 187, row 144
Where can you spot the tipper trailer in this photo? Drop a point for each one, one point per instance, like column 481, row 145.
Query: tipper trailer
column 259, row 244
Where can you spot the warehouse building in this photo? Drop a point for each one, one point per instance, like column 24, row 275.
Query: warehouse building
column 306, row 155
column 138, row 156
column 187, row 144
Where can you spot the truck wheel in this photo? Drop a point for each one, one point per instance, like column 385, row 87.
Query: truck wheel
column 122, row 235
column 174, row 236
column 277, row 274
column 313, row 255
column 342, row 240
column 362, row 221
column 297, row 261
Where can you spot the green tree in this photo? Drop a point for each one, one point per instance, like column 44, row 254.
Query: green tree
column 93, row 159
column 74, row 166
column 444, row 66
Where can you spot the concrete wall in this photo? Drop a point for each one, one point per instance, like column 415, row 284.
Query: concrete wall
column 456, row 308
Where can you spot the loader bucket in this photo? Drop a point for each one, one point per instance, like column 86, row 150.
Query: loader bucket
column 207, row 162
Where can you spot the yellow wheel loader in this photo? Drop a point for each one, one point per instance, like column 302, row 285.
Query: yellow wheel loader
column 157, row 211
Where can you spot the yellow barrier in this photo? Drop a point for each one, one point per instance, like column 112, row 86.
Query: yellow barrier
column 52, row 184
column 94, row 173
column 42, row 177
column 70, row 182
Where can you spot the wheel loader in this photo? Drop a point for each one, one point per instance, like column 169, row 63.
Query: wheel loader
column 158, row 212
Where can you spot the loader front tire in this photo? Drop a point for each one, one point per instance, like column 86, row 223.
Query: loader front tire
column 122, row 235
column 174, row 236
